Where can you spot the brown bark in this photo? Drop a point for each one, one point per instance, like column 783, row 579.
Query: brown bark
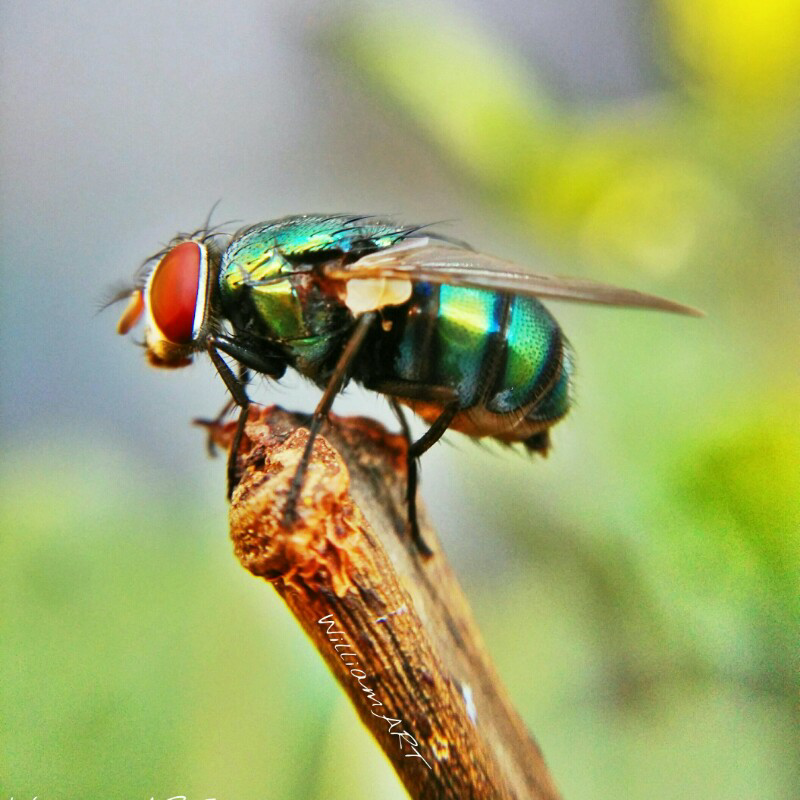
column 393, row 627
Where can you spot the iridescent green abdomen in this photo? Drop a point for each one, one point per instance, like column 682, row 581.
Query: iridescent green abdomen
column 537, row 363
column 503, row 355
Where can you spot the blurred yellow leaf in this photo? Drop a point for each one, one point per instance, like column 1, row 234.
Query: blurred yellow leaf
column 655, row 215
column 463, row 88
column 739, row 50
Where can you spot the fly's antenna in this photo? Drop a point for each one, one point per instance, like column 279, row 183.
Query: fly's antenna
column 114, row 294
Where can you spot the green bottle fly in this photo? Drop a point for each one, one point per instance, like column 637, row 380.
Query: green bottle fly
column 459, row 337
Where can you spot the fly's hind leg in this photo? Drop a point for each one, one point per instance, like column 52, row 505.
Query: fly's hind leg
column 415, row 450
column 450, row 407
column 412, row 481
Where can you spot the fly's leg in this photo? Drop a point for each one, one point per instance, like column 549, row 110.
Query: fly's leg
column 335, row 383
column 213, row 424
column 412, row 480
column 239, row 396
column 249, row 357
column 415, row 450
column 447, row 399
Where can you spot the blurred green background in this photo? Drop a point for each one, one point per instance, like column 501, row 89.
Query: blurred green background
column 638, row 589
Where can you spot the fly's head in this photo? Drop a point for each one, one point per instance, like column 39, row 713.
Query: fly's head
column 174, row 292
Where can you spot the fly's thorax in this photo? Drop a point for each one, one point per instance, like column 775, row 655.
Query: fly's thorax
column 270, row 280
column 268, row 297
column 263, row 294
column 175, row 300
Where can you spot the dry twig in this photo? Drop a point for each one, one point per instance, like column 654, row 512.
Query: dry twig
column 393, row 627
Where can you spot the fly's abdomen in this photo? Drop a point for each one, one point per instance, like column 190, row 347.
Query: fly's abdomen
column 537, row 366
column 467, row 341
column 503, row 356
column 441, row 338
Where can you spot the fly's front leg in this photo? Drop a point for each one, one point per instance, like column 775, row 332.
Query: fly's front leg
column 335, row 383
column 239, row 395
column 249, row 357
column 213, row 424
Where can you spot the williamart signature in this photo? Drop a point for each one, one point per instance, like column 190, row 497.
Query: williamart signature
column 395, row 726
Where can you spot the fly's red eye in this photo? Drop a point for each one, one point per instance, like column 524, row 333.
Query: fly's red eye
column 173, row 291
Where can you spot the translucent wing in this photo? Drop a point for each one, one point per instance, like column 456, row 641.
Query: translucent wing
column 424, row 259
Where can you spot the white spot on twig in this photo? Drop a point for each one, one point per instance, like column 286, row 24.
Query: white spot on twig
column 469, row 702
column 402, row 610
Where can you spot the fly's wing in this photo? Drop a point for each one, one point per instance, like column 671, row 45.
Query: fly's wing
column 424, row 259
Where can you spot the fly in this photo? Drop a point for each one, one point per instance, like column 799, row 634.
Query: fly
column 459, row 337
